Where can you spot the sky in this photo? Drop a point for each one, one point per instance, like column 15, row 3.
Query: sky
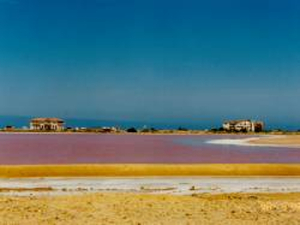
column 191, row 62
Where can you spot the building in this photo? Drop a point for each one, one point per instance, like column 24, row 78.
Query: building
column 243, row 126
column 9, row 128
column 109, row 129
column 47, row 124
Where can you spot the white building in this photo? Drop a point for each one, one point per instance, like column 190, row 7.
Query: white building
column 47, row 124
column 243, row 125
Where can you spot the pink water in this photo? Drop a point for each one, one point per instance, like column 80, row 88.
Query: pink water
column 96, row 148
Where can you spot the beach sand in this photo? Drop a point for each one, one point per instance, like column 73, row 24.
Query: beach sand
column 284, row 140
column 142, row 170
column 121, row 208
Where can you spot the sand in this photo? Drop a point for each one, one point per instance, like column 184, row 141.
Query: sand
column 288, row 141
column 279, row 140
column 147, row 185
column 140, row 170
column 152, row 209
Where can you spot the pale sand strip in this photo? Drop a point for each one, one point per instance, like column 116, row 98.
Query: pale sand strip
column 287, row 141
column 277, row 140
column 235, row 141
column 150, row 185
column 136, row 170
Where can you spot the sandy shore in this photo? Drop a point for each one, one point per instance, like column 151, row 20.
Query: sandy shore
column 149, row 209
column 278, row 140
column 151, row 200
column 160, row 200
column 141, row 170
column 288, row 141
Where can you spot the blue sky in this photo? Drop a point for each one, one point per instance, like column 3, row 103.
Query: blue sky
column 187, row 62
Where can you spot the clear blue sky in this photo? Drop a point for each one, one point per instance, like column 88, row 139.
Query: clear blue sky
column 151, row 60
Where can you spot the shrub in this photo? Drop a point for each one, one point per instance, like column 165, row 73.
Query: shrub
column 131, row 130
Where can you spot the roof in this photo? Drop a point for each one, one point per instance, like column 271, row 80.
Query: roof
column 39, row 120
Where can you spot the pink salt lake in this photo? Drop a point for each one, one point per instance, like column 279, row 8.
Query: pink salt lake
column 18, row 149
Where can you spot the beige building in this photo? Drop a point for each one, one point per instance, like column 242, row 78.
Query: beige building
column 243, row 125
column 47, row 124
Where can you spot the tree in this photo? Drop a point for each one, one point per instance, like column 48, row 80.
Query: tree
column 182, row 129
column 131, row 130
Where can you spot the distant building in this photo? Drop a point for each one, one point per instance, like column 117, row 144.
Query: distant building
column 108, row 129
column 9, row 128
column 243, row 126
column 47, row 124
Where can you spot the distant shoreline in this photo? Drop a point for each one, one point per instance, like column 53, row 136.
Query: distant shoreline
column 159, row 132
